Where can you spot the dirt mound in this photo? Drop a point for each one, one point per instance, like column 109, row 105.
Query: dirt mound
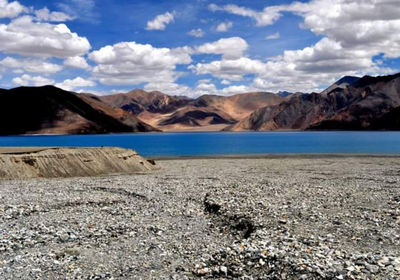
column 70, row 162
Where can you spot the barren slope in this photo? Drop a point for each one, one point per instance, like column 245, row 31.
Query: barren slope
column 50, row 110
column 69, row 162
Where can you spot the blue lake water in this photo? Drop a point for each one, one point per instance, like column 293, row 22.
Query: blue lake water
column 226, row 143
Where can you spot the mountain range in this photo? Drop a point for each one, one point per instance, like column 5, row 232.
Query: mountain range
column 50, row 110
column 208, row 112
column 351, row 103
column 368, row 103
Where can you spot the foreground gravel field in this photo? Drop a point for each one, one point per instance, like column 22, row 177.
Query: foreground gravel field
column 272, row 218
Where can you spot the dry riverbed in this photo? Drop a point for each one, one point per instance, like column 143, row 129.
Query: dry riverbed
column 266, row 218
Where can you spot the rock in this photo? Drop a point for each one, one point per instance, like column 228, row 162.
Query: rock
column 224, row 270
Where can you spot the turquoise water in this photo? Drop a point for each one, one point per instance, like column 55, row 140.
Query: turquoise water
column 226, row 143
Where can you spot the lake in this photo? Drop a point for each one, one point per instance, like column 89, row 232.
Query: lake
column 226, row 143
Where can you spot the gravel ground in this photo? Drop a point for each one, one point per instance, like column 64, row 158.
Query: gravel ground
column 271, row 218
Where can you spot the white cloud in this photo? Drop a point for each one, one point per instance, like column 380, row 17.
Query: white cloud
column 307, row 69
column 130, row 63
column 45, row 15
column 196, row 33
column 25, row 37
column 160, row 22
column 170, row 88
column 82, row 10
column 267, row 17
column 78, row 82
column 11, row 9
column 354, row 32
column 31, row 65
column 230, row 48
column 230, row 69
column 367, row 25
column 204, row 87
column 27, row 80
column 297, row 70
column 235, row 90
column 273, row 36
column 224, row 26
column 76, row 62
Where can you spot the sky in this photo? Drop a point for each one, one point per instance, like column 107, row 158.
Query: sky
column 196, row 47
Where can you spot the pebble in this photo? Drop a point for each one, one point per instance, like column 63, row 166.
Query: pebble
column 277, row 218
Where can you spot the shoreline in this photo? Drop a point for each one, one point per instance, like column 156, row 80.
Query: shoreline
column 184, row 131
column 274, row 156
column 23, row 150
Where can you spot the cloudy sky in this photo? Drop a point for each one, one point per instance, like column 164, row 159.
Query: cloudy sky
column 196, row 47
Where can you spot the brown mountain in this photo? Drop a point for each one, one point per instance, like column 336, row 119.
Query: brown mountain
column 238, row 106
column 366, row 103
column 376, row 106
column 342, row 83
column 138, row 101
column 351, row 103
column 50, row 110
column 208, row 112
column 193, row 116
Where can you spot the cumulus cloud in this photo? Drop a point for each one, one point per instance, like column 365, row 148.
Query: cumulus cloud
column 130, row 63
column 202, row 87
column 11, row 9
column 170, row 88
column 229, row 48
column 224, row 26
column 230, row 69
column 273, row 36
column 297, row 70
column 45, row 15
column 78, row 82
column 196, row 33
column 267, row 17
column 25, row 37
column 82, row 10
column 160, row 22
column 76, row 62
column 369, row 25
column 235, row 90
column 27, row 80
column 353, row 33
column 31, row 65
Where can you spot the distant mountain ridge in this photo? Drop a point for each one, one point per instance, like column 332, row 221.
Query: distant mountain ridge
column 342, row 83
column 360, row 105
column 178, row 112
column 351, row 103
column 50, row 110
column 138, row 100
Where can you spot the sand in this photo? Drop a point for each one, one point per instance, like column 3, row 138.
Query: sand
column 37, row 162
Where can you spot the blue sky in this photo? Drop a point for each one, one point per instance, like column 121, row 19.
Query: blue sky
column 195, row 47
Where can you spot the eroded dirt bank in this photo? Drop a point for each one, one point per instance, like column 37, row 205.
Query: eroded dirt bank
column 23, row 163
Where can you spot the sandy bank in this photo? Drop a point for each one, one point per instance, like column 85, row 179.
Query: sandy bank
column 35, row 162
